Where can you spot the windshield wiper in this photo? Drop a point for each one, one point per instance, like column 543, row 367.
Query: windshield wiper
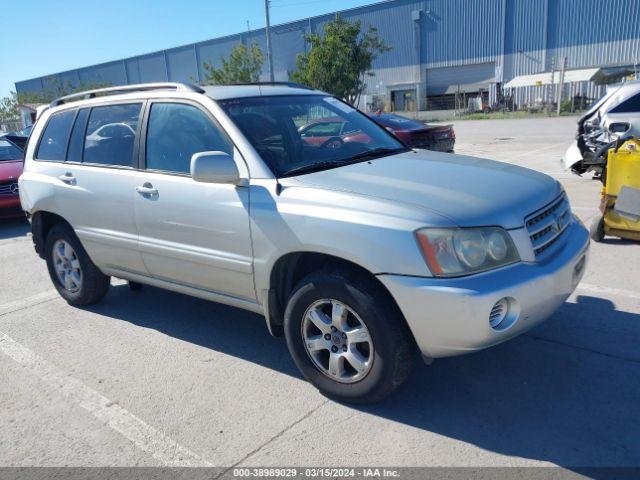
column 315, row 167
column 375, row 152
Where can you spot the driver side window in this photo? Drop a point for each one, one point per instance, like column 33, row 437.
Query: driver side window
column 175, row 132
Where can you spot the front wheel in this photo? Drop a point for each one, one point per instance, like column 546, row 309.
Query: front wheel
column 347, row 337
column 72, row 272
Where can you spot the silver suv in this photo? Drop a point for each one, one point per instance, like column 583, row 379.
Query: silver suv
column 288, row 202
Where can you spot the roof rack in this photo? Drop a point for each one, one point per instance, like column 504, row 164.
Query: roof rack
column 142, row 87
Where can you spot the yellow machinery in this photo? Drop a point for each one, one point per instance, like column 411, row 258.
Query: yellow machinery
column 620, row 204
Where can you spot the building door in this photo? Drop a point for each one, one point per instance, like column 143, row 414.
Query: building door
column 403, row 100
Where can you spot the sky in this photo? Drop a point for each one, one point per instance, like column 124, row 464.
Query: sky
column 40, row 37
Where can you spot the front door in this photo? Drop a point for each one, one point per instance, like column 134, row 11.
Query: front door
column 190, row 233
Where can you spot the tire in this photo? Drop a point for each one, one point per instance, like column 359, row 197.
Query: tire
column 389, row 352
column 87, row 284
column 596, row 231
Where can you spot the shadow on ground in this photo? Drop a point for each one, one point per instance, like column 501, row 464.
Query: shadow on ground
column 13, row 227
column 567, row 393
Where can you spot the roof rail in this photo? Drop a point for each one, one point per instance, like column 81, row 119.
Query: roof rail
column 141, row 87
column 259, row 84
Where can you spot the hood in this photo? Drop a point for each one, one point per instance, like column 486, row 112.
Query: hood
column 10, row 169
column 469, row 191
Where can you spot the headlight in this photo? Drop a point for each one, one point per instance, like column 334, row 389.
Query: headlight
column 452, row 252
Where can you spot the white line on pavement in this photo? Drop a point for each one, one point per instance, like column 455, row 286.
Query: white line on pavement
column 144, row 436
column 28, row 302
column 586, row 287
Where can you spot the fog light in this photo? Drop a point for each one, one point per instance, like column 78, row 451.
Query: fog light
column 499, row 313
column 504, row 313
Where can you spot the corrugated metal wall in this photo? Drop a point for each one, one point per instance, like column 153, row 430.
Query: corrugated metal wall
column 466, row 77
column 520, row 36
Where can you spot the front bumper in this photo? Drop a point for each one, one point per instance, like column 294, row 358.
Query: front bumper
column 10, row 206
column 451, row 316
column 571, row 156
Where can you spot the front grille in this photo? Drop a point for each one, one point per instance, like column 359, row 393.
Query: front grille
column 9, row 188
column 547, row 225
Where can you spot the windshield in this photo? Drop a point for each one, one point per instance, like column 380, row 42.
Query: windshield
column 297, row 134
column 8, row 151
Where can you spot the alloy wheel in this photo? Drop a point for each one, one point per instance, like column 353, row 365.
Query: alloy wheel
column 337, row 341
column 67, row 266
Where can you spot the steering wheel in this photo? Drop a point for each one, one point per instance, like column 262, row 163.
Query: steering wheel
column 332, row 142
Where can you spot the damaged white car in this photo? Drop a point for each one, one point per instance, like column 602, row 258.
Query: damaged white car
column 614, row 117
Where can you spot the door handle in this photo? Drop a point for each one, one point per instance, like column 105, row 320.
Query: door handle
column 68, row 178
column 147, row 190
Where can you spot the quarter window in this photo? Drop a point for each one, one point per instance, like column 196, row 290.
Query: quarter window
column 176, row 131
column 53, row 144
column 111, row 134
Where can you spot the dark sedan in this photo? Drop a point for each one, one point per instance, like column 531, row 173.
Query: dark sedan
column 416, row 134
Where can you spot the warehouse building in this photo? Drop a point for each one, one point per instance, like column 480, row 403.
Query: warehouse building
column 445, row 52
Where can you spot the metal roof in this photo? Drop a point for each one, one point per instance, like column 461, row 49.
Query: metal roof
column 570, row 76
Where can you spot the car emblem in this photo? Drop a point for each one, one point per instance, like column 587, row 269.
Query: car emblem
column 14, row 188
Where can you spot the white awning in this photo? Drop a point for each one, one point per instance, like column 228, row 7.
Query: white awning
column 570, row 76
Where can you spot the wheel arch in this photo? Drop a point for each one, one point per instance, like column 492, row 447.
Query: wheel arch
column 290, row 268
column 41, row 223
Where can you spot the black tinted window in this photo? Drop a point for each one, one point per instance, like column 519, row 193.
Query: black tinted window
column 74, row 153
column 630, row 106
column 53, row 144
column 177, row 131
column 111, row 134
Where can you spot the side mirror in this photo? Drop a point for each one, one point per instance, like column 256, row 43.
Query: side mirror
column 214, row 167
column 619, row 127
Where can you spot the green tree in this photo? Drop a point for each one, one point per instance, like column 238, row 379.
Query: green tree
column 9, row 107
column 340, row 60
column 243, row 66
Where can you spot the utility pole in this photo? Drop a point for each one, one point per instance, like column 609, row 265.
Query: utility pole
column 550, row 96
column 269, row 51
column 561, row 84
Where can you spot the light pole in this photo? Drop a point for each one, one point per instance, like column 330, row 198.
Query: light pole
column 269, row 51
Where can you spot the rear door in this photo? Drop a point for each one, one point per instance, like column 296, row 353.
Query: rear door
column 94, row 186
column 194, row 234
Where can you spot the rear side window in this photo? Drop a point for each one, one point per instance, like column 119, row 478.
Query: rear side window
column 53, row 143
column 632, row 105
column 74, row 152
column 176, row 131
column 111, row 134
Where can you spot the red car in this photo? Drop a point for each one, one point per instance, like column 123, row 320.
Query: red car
column 11, row 162
column 416, row 134
column 331, row 132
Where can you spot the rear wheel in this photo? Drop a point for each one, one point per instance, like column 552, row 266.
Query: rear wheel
column 596, row 231
column 347, row 337
column 72, row 272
